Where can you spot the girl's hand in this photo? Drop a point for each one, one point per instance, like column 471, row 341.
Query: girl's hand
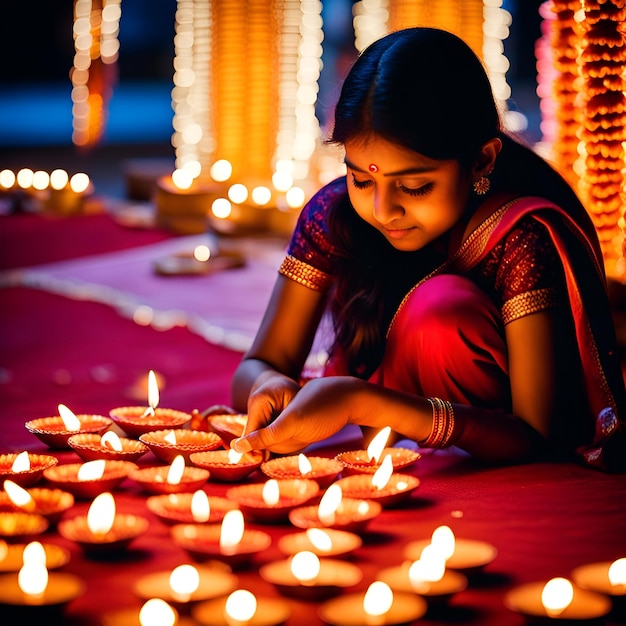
column 320, row 409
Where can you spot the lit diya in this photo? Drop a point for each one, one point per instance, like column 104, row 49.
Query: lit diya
column 241, row 608
column 153, row 612
column 86, row 480
column 466, row 555
column 186, row 584
column 321, row 541
column 335, row 511
column 189, row 508
column 16, row 526
column 109, row 446
column 35, row 592
column 383, row 486
column 229, row 542
column 369, row 460
column 607, row 577
column 103, row 530
column 173, row 478
column 169, row 443
column 25, row 469
column 12, row 555
column 271, row 501
column 55, row 431
column 305, row 576
column 50, row 503
column 228, row 466
column 322, row 470
column 137, row 420
column 428, row 576
column 379, row 605
column 557, row 599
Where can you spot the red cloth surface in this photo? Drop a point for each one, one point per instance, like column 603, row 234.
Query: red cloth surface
column 543, row 519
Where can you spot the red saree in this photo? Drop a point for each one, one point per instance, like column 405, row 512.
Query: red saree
column 578, row 249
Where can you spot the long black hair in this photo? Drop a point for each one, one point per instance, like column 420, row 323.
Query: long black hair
column 426, row 90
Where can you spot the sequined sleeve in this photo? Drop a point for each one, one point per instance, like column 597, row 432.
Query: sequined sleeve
column 310, row 255
column 527, row 271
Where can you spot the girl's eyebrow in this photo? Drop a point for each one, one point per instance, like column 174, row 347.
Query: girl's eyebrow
column 409, row 170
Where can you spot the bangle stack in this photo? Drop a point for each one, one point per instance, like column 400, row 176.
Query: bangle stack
column 443, row 424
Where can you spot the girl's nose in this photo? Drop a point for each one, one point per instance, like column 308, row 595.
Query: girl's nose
column 386, row 208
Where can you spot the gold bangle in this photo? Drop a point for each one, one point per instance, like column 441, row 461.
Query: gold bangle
column 442, row 429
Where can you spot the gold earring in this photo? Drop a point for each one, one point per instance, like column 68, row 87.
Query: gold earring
column 482, row 186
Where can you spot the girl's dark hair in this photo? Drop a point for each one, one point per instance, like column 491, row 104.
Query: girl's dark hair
column 426, row 90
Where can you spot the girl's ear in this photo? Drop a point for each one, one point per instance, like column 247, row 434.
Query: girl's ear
column 487, row 158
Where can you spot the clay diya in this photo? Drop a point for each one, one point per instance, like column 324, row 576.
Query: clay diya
column 271, row 501
column 49, row 503
column 335, row 511
column 108, row 446
column 134, row 421
column 379, row 605
column 54, row 432
column 228, row 466
column 606, row 577
column 86, row 480
column 103, row 531
column 25, row 468
column 12, row 556
column 325, row 542
column 16, row 526
column 304, row 576
column 227, row 426
column 557, row 599
column 229, row 542
column 189, row 508
column 322, row 470
column 173, row 478
column 241, row 608
column 360, row 462
column 152, row 611
column 185, row 585
column 169, row 443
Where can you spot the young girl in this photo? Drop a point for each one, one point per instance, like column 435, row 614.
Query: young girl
column 464, row 278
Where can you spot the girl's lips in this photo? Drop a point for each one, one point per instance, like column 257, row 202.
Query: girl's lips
column 398, row 233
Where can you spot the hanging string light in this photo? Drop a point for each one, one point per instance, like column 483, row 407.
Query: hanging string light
column 96, row 44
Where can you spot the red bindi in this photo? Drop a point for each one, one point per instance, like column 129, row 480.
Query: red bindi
column 373, row 167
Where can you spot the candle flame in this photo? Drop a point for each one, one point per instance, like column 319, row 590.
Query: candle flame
column 101, row 514
column 33, row 578
column 240, row 606
column 329, row 504
column 157, row 612
column 320, row 539
column 444, row 540
column 304, row 465
column 383, row 473
column 34, row 551
column 557, row 595
column 305, row 566
column 70, row 421
column 111, row 440
column 232, row 529
column 200, row 506
column 429, row 568
column 377, row 445
column 234, row 457
column 176, row 470
column 171, row 438
column 19, row 496
column 271, row 492
column 153, row 394
column 378, row 599
column 202, row 253
column 184, row 580
column 91, row 470
column 617, row 572
column 21, row 463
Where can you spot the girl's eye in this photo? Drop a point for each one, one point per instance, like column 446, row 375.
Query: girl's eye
column 361, row 184
column 416, row 191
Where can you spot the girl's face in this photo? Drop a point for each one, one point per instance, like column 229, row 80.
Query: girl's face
column 411, row 199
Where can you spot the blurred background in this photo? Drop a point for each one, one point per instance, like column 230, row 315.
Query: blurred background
column 37, row 49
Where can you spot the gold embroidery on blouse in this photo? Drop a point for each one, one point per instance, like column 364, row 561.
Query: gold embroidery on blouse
column 527, row 303
column 305, row 274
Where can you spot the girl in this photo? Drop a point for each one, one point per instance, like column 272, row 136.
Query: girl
column 463, row 276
